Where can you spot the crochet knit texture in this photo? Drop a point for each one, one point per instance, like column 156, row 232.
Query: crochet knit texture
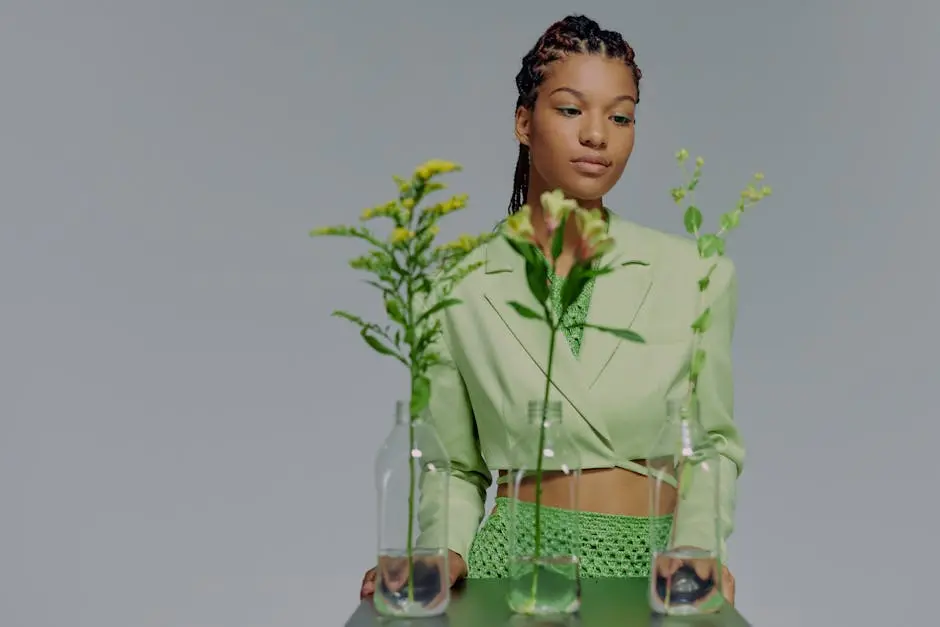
column 608, row 545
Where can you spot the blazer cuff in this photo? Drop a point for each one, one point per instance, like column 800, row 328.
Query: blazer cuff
column 695, row 523
column 457, row 525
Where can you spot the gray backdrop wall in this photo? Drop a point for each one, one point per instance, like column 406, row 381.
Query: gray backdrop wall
column 184, row 434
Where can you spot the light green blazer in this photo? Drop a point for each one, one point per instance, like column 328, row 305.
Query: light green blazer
column 613, row 395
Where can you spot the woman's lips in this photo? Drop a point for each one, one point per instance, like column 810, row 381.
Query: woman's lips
column 590, row 165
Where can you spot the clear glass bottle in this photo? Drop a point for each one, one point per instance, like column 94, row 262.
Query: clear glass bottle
column 412, row 574
column 685, row 569
column 544, row 551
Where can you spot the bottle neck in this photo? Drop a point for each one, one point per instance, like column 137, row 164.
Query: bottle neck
column 547, row 415
column 684, row 409
column 683, row 416
column 403, row 414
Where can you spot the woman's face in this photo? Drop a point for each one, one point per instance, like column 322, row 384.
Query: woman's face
column 580, row 131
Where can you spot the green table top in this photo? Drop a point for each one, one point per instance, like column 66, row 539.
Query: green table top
column 605, row 603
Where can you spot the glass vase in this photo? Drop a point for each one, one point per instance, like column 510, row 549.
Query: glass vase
column 544, row 563
column 685, row 568
column 412, row 573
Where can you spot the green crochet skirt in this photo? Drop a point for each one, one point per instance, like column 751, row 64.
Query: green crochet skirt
column 610, row 545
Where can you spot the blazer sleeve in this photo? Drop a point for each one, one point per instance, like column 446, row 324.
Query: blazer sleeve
column 716, row 410
column 452, row 519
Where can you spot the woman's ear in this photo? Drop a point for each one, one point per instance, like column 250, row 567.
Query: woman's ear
column 523, row 125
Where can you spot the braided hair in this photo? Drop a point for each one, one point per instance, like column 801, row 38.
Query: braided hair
column 572, row 35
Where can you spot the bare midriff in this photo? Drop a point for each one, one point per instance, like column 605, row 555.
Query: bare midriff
column 601, row 490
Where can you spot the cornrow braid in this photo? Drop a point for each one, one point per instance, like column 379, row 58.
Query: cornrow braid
column 575, row 34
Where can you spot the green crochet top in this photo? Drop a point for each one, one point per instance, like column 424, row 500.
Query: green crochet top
column 576, row 314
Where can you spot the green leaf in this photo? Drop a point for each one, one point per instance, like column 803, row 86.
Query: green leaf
column 420, row 394
column 537, row 276
column 706, row 280
column 352, row 318
column 730, row 220
column 692, row 219
column 376, row 344
column 702, row 323
column 710, row 245
column 525, row 250
column 558, row 240
column 438, row 306
column 623, row 334
column 393, row 309
column 698, row 362
column 575, row 283
column 524, row 311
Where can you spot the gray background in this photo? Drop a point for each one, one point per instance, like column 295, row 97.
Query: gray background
column 186, row 437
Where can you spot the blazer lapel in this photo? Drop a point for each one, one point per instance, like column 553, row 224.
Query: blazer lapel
column 509, row 283
column 617, row 298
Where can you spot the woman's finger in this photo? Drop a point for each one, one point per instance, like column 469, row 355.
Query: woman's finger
column 727, row 585
column 368, row 584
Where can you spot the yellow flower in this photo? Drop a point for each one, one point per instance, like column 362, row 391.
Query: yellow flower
column 464, row 243
column 519, row 225
column 388, row 210
column 594, row 240
column 433, row 167
column 556, row 208
column 449, row 206
column 400, row 235
column 403, row 185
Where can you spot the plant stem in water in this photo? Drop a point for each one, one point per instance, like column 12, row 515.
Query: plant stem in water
column 411, row 510
column 538, row 466
column 412, row 341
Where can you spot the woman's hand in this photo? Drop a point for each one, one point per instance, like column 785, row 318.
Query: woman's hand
column 666, row 566
column 727, row 584
column 458, row 571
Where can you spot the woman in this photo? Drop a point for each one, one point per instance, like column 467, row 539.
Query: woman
column 578, row 91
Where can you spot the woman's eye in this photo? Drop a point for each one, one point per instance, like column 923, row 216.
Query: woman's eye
column 622, row 120
column 568, row 111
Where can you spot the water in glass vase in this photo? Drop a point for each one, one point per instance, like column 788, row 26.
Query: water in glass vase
column 545, row 585
column 412, row 470
column 685, row 581
column 685, row 485
column 544, row 536
column 429, row 583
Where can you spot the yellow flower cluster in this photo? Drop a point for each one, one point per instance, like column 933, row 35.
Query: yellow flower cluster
column 441, row 209
column 388, row 210
column 430, row 169
column 464, row 243
column 400, row 235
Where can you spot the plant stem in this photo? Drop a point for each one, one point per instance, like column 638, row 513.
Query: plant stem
column 411, row 510
column 538, row 466
column 411, row 441
column 690, row 398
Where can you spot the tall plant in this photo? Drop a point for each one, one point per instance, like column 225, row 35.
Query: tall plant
column 710, row 246
column 592, row 243
column 410, row 271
